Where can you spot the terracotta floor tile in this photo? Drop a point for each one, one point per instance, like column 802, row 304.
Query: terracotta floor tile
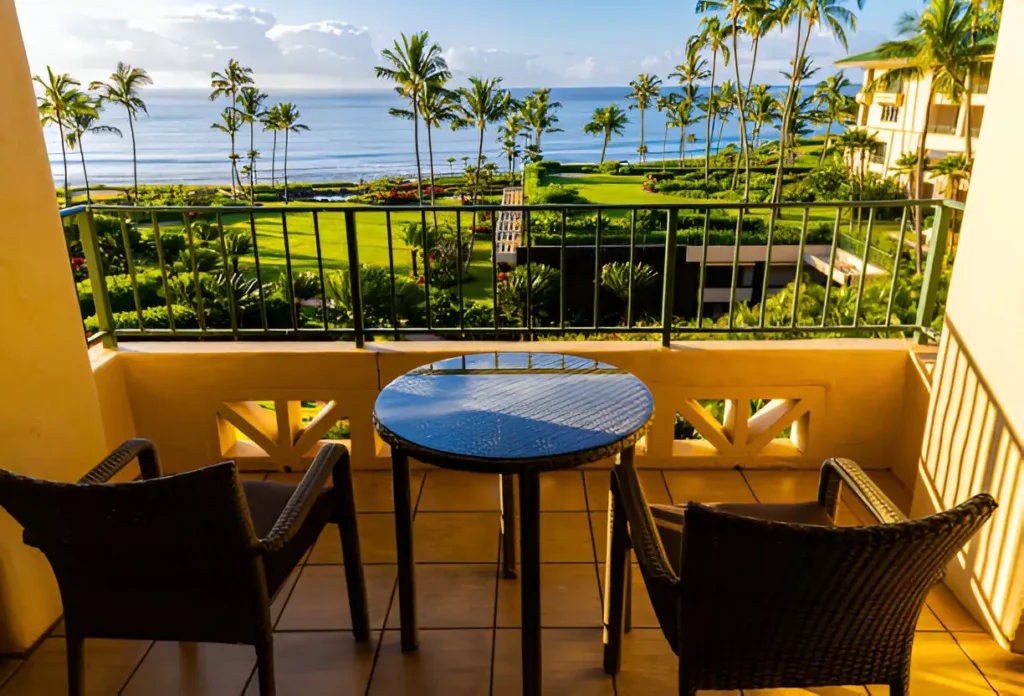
column 108, row 664
column 571, row 664
column 565, row 538
column 452, row 596
column 643, row 612
column 376, row 541
column 320, row 599
column 940, row 668
column 950, row 611
column 196, row 669
column 928, row 621
column 321, row 662
column 456, row 537
column 283, row 595
column 569, row 597
column 708, row 487
column 7, row 668
column 650, row 480
column 650, row 667
column 372, row 489
column 451, row 491
column 562, row 491
column 599, row 528
column 815, row 691
column 447, row 662
column 1003, row 669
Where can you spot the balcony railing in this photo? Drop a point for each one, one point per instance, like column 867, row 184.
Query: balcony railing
column 275, row 272
column 941, row 129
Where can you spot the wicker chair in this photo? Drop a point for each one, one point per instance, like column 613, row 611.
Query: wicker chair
column 771, row 596
column 196, row 556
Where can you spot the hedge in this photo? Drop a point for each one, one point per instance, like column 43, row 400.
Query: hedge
column 786, row 234
column 119, row 292
column 152, row 318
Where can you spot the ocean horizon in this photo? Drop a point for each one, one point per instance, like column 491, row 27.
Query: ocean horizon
column 351, row 138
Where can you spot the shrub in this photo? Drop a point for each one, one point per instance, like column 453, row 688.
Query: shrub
column 557, row 194
column 609, row 167
column 120, row 294
column 512, row 292
column 152, row 318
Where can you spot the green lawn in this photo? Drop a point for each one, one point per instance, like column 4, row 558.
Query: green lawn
column 614, row 190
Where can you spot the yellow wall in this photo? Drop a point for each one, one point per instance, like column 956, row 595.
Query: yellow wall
column 49, row 417
column 976, row 412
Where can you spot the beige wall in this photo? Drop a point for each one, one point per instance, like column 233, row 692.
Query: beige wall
column 49, row 417
column 976, row 412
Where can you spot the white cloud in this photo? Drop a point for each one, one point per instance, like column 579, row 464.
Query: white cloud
column 522, row 69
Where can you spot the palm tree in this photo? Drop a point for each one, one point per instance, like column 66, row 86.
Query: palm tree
column 689, row 73
column 936, row 46
column 412, row 65
column 611, row 120
column 668, row 103
column 289, row 124
column 645, row 90
column 228, row 84
column 538, row 113
column 483, row 102
column 906, row 166
column 682, row 118
column 451, row 165
column 985, row 16
column 835, row 104
column 763, row 108
column 437, row 106
column 83, row 122
column 712, row 36
column 271, row 120
column 508, row 133
column 759, row 18
column 726, row 106
column 956, row 169
column 230, row 124
column 831, row 15
column 250, row 103
column 60, row 102
column 123, row 89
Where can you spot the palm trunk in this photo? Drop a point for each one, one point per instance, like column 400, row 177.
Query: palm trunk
column 273, row 163
column 740, row 106
column 252, row 161
column 430, row 154
column 64, row 157
column 135, row 158
column 721, row 129
column 750, row 82
column 85, row 172
column 604, row 147
column 664, row 149
column 784, row 129
column 682, row 146
column 234, row 167
column 919, row 176
column 476, row 192
column 286, row 166
column 641, row 151
column 968, row 87
column 824, row 147
column 710, row 121
column 416, row 146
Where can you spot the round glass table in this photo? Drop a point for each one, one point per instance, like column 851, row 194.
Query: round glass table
column 510, row 414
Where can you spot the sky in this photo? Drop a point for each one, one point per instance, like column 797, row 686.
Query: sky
column 336, row 43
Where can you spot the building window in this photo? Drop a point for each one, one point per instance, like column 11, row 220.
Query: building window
column 877, row 155
column 890, row 114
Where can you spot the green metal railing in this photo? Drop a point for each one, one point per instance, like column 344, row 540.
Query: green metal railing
column 338, row 311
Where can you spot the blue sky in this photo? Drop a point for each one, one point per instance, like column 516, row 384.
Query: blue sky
column 306, row 43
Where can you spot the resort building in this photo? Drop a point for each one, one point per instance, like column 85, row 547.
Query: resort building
column 899, row 115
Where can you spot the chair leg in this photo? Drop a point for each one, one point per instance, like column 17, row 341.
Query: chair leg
column 348, row 528
column 616, row 567
column 900, row 687
column 508, row 526
column 76, row 665
column 265, row 668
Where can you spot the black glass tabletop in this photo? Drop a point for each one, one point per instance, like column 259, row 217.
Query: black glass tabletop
column 540, row 409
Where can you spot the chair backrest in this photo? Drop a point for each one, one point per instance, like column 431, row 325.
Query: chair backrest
column 171, row 558
column 789, row 604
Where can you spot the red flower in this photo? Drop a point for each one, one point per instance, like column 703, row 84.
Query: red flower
column 433, row 255
column 502, row 277
column 77, row 262
column 420, row 280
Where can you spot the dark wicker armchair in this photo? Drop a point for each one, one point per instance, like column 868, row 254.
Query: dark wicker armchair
column 190, row 557
column 770, row 596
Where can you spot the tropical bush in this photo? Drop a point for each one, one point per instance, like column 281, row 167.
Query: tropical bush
column 120, row 293
column 557, row 194
column 542, row 282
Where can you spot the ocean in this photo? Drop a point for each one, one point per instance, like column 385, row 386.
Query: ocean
column 351, row 138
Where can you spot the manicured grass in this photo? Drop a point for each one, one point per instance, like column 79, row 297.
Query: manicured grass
column 614, row 190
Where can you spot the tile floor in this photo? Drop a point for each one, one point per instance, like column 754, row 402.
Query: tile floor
column 469, row 617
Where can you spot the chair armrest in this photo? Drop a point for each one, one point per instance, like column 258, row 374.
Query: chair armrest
column 294, row 513
column 143, row 450
column 835, row 472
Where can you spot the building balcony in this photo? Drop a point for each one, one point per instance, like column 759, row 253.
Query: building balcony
column 249, row 381
column 889, row 98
